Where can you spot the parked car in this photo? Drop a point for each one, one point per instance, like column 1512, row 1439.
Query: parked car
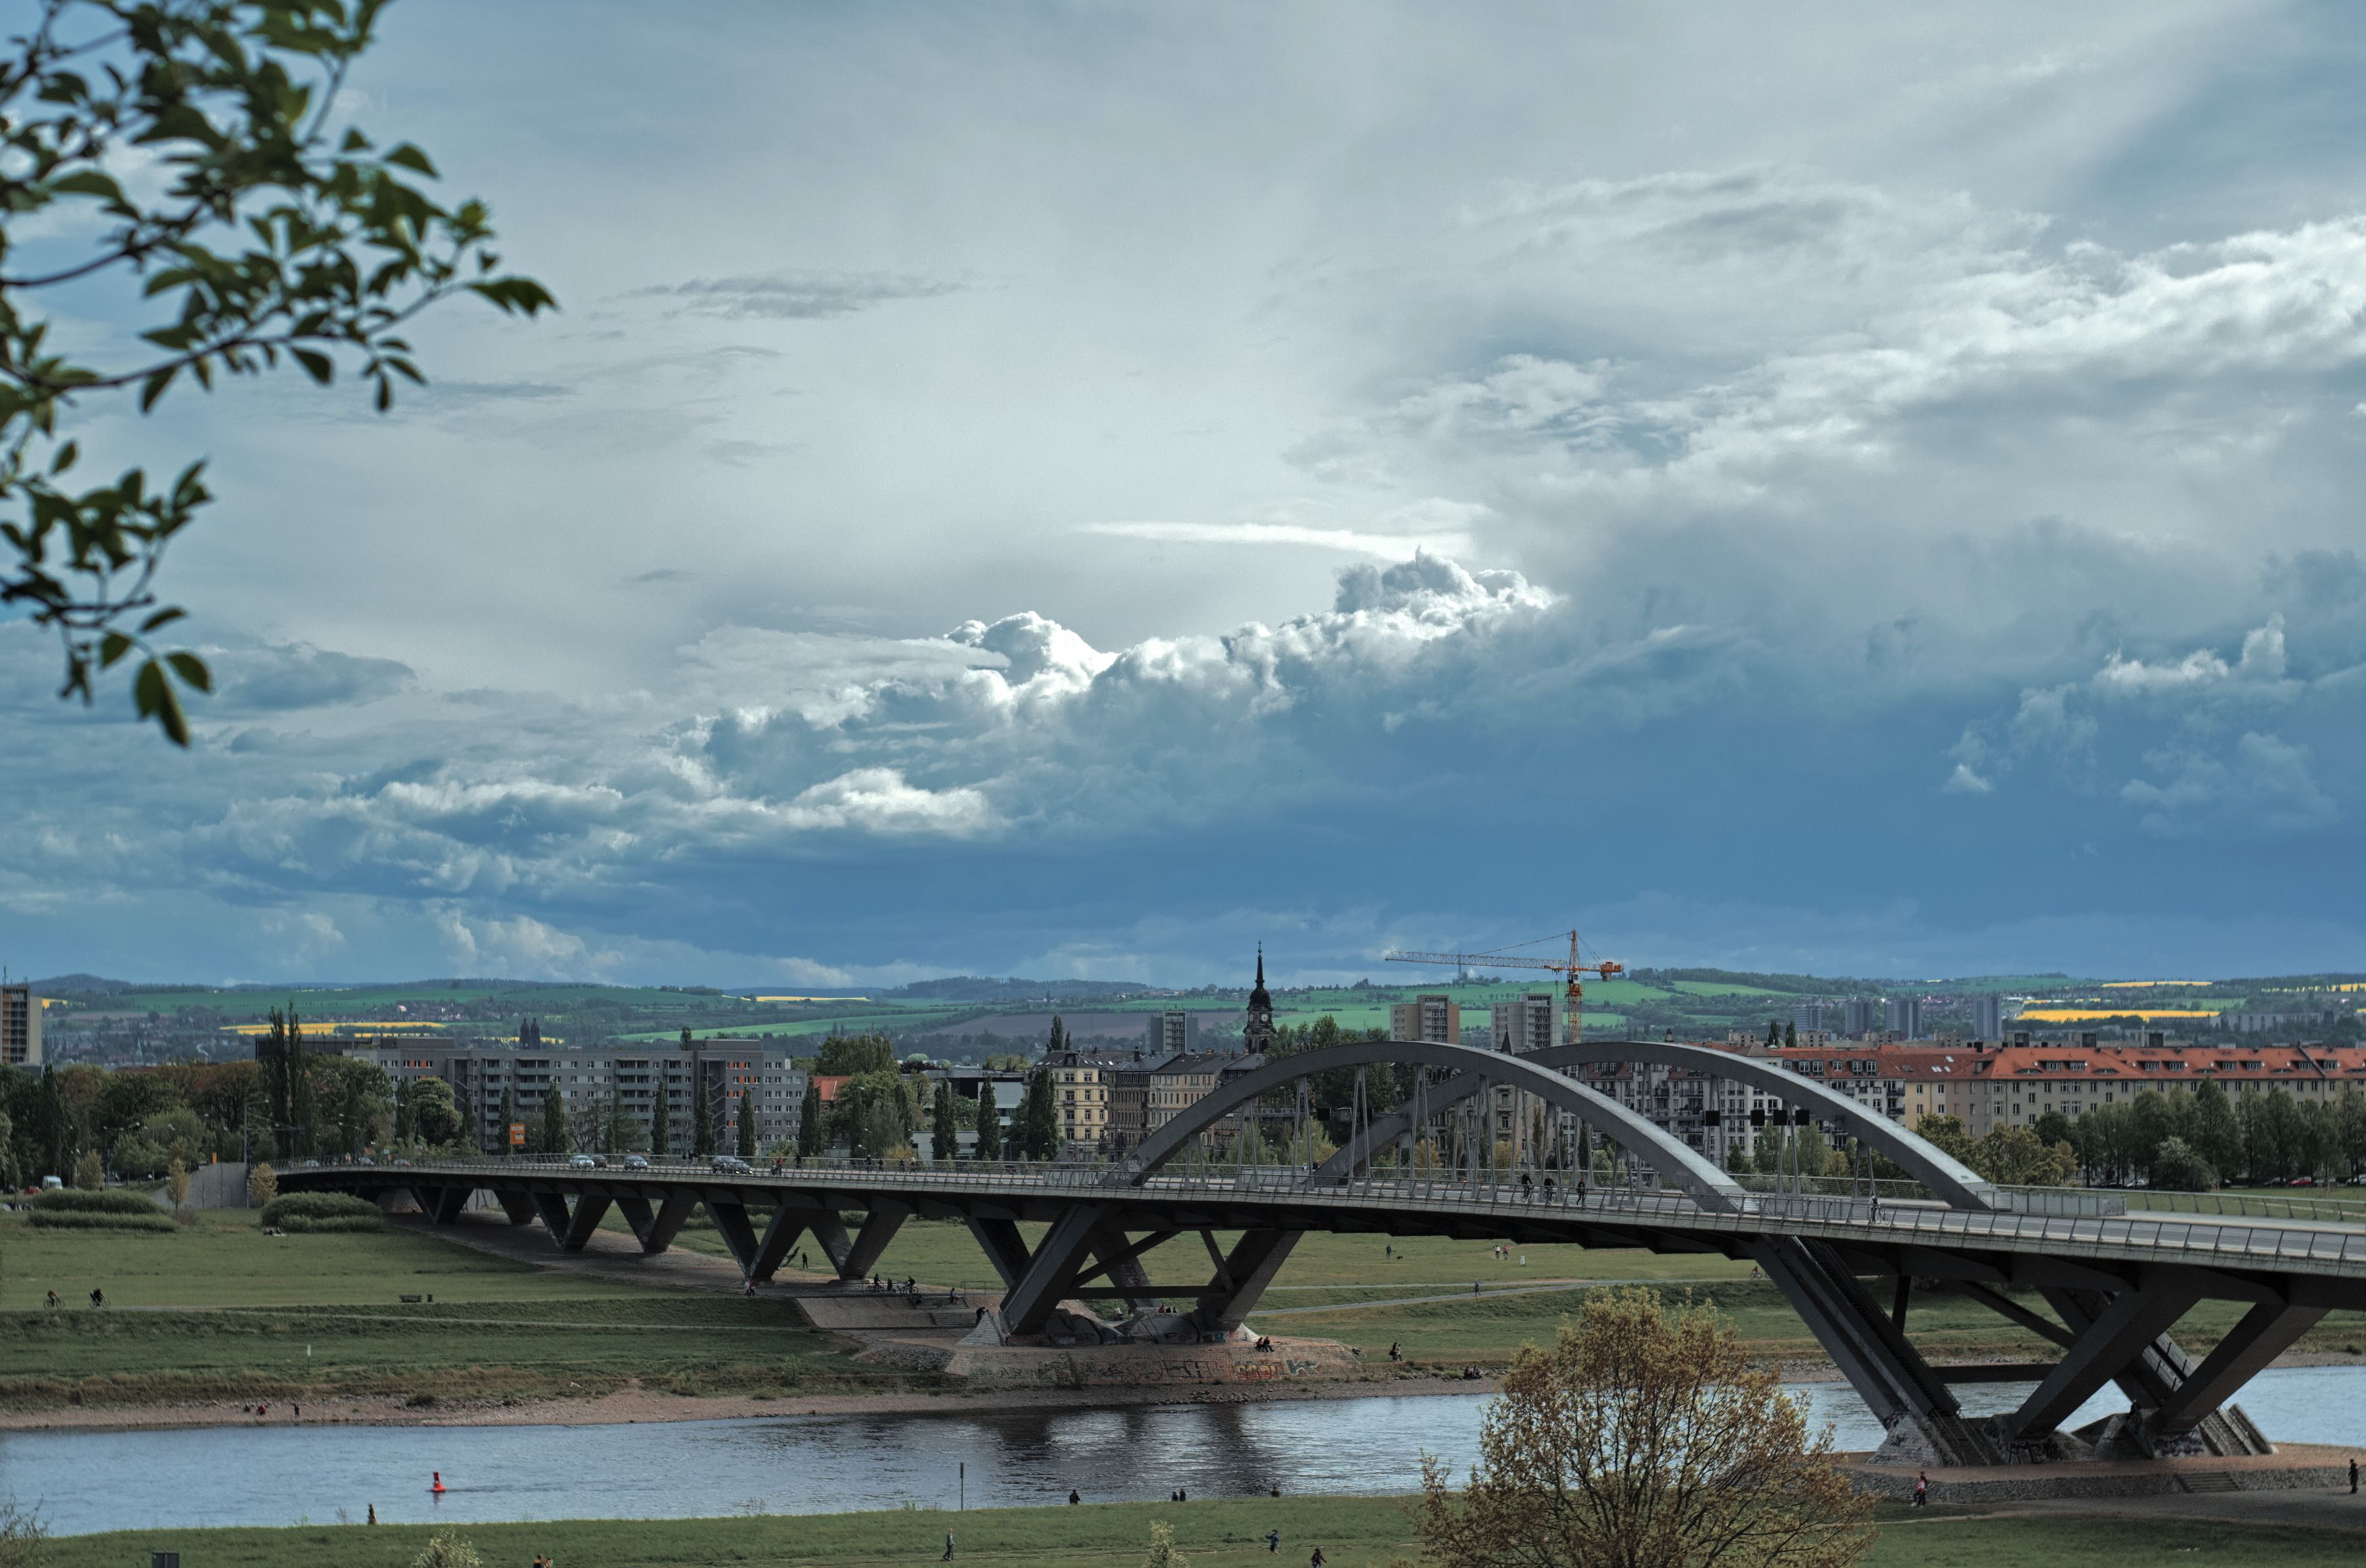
column 636, row 1162
column 583, row 1161
column 730, row 1162
column 2304, row 1181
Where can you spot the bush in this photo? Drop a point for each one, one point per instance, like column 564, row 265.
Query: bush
column 321, row 1211
column 81, row 1219
column 74, row 1200
column 298, row 1224
column 446, row 1548
column 262, row 1185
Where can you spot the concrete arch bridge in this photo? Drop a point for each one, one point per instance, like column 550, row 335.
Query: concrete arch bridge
column 2116, row 1281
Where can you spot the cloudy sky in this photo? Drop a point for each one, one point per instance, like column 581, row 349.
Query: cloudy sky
column 1080, row 489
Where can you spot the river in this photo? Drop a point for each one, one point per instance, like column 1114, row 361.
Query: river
column 279, row 1476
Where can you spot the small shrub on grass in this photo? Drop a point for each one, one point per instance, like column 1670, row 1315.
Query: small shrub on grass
column 73, row 1209
column 447, row 1550
column 74, row 1200
column 307, row 1212
column 69, row 1219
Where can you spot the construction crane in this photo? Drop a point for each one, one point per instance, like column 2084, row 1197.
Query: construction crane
column 1575, row 1012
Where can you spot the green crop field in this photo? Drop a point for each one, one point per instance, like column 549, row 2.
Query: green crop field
column 1354, row 1532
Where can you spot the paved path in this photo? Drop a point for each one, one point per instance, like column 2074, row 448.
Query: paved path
column 2305, row 1510
column 1554, row 1288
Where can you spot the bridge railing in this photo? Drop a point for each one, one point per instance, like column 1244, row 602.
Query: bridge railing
column 2043, row 1215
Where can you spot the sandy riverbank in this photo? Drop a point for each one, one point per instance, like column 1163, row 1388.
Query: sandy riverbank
column 631, row 1404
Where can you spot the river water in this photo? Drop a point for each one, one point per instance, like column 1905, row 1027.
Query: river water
column 279, row 1476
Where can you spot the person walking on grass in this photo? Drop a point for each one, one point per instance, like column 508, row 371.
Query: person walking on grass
column 2353, row 1475
column 1921, row 1488
column 1272, row 1541
column 1317, row 1560
column 947, row 1557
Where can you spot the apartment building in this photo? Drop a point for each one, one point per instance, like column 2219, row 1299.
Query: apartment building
column 627, row 1078
column 1527, row 1022
column 1437, row 1018
column 1081, row 1087
column 1172, row 1031
column 20, row 1026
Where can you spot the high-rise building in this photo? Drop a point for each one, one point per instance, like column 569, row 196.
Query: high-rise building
column 20, row 1026
column 1903, row 1017
column 1988, row 1017
column 1437, row 1018
column 1856, row 1017
column 1172, row 1031
column 1808, row 1017
column 1530, row 1022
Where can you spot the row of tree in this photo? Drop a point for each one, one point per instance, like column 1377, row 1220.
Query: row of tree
column 290, row 1103
column 2194, row 1141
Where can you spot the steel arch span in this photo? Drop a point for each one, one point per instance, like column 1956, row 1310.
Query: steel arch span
column 1958, row 1183
column 1677, row 1163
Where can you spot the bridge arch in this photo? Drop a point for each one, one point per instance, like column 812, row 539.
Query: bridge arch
column 1707, row 1185
column 1963, row 1187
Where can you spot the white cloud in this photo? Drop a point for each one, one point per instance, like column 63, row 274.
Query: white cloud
column 1963, row 782
column 2262, row 665
column 2266, row 788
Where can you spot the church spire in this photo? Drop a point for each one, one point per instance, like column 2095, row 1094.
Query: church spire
column 1256, row 1033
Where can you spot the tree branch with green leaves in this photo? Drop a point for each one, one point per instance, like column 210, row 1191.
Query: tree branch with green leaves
column 195, row 148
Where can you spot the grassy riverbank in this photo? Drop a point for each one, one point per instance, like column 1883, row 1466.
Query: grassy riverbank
column 1354, row 1532
column 461, row 1352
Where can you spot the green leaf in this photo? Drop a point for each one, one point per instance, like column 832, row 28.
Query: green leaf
column 111, row 647
column 192, row 671
column 316, row 363
column 148, row 689
column 153, row 388
column 406, row 156
column 161, row 617
column 86, row 182
column 66, row 457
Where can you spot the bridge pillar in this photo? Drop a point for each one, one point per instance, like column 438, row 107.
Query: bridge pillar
column 787, row 1224
column 1051, row 1273
column 830, row 1231
column 2265, row 1333
column 1241, row 1278
column 2110, row 1348
column 552, row 1207
column 1909, row 1399
column 655, row 1229
column 1003, row 1246
column 591, row 1208
column 732, row 1222
column 879, row 1228
column 440, row 1203
column 516, row 1205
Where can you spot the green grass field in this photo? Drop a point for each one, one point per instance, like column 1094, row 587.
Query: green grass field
column 1354, row 1532
column 225, row 1259
column 577, row 1347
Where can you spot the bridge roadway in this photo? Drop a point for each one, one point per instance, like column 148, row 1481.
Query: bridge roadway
column 2115, row 1282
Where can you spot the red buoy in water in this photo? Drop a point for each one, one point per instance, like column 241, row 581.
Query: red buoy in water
column 439, row 1481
